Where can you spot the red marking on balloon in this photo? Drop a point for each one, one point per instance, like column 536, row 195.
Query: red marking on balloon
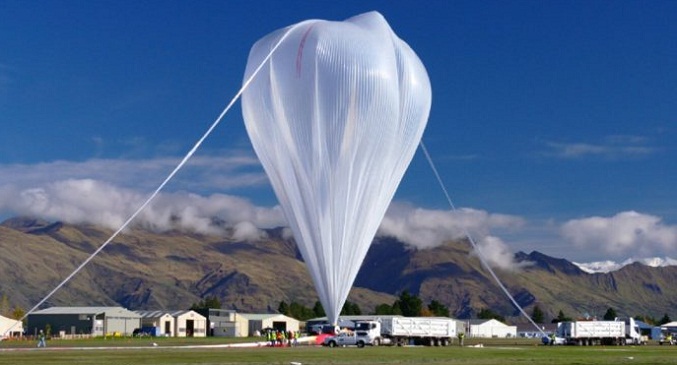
column 299, row 53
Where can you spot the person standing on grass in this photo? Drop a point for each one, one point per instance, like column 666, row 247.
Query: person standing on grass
column 42, row 339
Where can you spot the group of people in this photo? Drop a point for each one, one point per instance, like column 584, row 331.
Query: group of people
column 277, row 338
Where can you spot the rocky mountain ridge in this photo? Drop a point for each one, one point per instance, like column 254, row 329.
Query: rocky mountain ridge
column 172, row 270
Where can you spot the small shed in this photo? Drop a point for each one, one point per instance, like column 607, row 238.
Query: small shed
column 10, row 327
column 247, row 324
column 95, row 321
column 488, row 328
column 189, row 323
column 158, row 319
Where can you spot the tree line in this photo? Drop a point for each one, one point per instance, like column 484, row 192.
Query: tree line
column 406, row 304
column 9, row 311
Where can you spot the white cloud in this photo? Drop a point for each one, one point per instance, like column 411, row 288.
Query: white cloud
column 497, row 254
column 614, row 146
column 107, row 192
column 424, row 228
column 233, row 170
column 625, row 234
column 608, row 265
column 247, row 231
column 91, row 201
column 102, row 203
column 74, row 201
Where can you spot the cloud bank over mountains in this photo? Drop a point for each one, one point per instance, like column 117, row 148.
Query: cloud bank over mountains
column 624, row 234
column 107, row 192
column 608, row 266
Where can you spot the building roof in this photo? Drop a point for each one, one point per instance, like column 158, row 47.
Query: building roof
column 644, row 325
column 478, row 322
column 153, row 314
column 161, row 313
column 263, row 316
column 182, row 312
column 108, row 311
column 176, row 313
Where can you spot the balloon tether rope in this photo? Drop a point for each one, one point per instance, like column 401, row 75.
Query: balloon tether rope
column 470, row 239
column 166, row 180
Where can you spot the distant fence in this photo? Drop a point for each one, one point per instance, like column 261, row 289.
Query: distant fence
column 62, row 335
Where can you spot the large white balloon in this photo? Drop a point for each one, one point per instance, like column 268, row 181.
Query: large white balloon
column 335, row 117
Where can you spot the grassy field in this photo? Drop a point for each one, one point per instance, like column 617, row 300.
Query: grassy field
column 170, row 351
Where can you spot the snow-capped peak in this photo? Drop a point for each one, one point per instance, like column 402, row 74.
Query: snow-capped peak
column 608, row 266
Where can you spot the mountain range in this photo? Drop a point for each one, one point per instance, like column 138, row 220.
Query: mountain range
column 609, row 266
column 144, row 269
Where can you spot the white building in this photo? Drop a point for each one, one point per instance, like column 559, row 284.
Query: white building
column 189, row 323
column 10, row 327
column 488, row 328
column 247, row 324
column 158, row 319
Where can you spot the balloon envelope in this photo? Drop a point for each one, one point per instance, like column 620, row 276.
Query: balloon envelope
column 335, row 117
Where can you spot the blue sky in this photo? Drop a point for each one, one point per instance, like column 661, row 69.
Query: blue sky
column 552, row 122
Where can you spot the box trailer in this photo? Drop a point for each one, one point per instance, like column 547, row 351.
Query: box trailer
column 588, row 333
column 431, row 331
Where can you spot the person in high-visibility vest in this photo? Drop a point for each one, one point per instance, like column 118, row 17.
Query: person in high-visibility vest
column 461, row 336
column 41, row 339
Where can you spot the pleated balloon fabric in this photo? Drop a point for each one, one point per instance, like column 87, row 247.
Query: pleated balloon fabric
column 335, row 118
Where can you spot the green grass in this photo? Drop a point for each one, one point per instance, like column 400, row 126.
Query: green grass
column 494, row 353
column 128, row 342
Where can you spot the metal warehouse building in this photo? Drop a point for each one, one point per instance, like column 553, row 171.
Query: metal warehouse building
column 247, row 324
column 96, row 321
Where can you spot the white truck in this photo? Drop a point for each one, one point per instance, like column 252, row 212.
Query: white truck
column 349, row 338
column 633, row 335
column 396, row 330
column 588, row 333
